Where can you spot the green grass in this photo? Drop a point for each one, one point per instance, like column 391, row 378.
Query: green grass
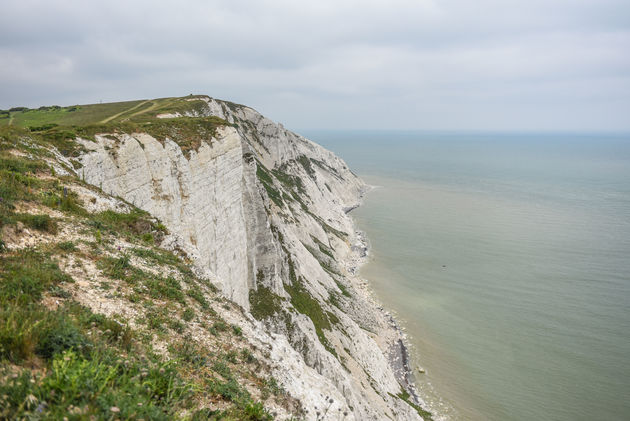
column 161, row 257
column 196, row 294
column 292, row 182
column 247, row 356
column 265, row 178
column 17, row 181
column 264, row 303
column 188, row 314
column 67, row 246
column 89, row 365
column 92, row 114
column 343, row 289
column 69, row 116
column 237, row 330
column 59, row 126
column 25, row 275
column 135, row 224
column 164, row 288
column 306, row 163
column 304, row 303
column 154, row 286
column 404, row 395
column 39, row 222
column 323, row 247
column 99, row 386
column 20, row 165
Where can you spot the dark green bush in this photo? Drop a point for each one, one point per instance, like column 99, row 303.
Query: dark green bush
column 39, row 222
column 60, row 334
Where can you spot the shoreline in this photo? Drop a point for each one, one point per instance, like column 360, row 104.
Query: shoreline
column 397, row 351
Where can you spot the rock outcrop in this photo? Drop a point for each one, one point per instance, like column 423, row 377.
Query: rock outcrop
column 263, row 211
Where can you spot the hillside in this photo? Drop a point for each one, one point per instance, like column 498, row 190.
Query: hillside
column 185, row 258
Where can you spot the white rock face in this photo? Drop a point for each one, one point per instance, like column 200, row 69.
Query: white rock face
column 260, row 208
column 199, row 198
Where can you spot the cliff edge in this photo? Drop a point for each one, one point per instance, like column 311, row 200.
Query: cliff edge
column 260, row 213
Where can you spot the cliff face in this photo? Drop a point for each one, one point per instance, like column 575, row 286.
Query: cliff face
column 262, row 212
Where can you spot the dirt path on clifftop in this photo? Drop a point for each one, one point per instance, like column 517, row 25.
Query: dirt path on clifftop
column 108, row 119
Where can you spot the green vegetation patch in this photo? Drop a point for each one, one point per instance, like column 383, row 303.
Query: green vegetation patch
column 17, row 181
column 325, row 167
column 60, row 126
column 77, row 115
column 292, row 182
column 343, row 289
column 39, row 222
column 99, row 386
column 404, row 395
column 20, row 165
column 304, row 303
column 305, row 162
column 26, row 274
column 323, row 247
column 135, row 224
column 63, row 138
column 265, row 178
column 325, row 262
column 264, row 303
column 155, row 286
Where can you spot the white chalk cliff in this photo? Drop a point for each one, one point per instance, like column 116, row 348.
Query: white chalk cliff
column 263, row 211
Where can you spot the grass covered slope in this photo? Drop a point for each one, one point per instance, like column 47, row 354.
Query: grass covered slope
column 61, row 125
column 95, row 114
column 87, row 265
column 95, row 319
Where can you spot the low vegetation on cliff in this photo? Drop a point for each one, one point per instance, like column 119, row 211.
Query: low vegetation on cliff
column 105, row 314
column 95, row 319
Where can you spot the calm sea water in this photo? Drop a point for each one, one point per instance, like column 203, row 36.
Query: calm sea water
column 507, row 258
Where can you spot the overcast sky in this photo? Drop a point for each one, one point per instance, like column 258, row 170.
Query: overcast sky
column 426, row 64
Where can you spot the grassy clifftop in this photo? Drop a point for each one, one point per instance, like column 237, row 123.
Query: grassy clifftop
column 96, row 114
column 58, row 125
column 96, row 320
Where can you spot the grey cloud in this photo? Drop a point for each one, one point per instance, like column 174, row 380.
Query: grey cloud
column 400, row 63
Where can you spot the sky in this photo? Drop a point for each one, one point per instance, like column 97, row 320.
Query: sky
column 336, row 64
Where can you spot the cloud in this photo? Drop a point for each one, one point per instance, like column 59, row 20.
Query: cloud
column 453, row 64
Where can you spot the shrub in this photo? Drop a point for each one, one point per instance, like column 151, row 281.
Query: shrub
column 164, row 288
column 134, row 223
column 247, row 356
column 113, row 331
column 231, row 356
column 115, row 268
column 196, row 294
column 60, row 334
column 40, row 222
column 229, row 390
column 220, row 326
column 257, row 412
column 42, row 127
column 67, row 246
column 188, row 314
column 17, row 337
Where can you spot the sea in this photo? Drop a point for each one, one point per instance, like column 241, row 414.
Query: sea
column 506, row 258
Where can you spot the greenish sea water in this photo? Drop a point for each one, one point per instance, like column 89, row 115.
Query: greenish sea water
column 507, row 259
